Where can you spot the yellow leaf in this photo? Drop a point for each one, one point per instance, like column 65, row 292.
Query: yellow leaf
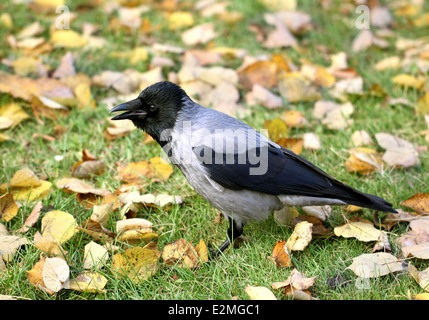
column 60, row 225
column 26, row 65
column 83, row 95
column 14, row 113
column 259, row 293
column 364, row 160
column 300, row 237
column 30, row 194
column 180, row 253
column 67, row 39
column 24, row 178
column 88, row 281
column 8, row 207
column 418, row 202
column 48, row 245
column 136, row 263
column 360, row 229
column 160, row 168
column 180, row 19
column 422, row 105
column 409, row 81
column 95, row 255
column 277, row 129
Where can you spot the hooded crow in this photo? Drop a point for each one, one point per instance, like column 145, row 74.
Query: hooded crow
column 234, row 167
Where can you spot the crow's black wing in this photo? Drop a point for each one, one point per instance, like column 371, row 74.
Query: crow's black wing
column 286, row 173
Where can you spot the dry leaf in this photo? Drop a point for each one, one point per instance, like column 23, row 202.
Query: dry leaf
column 334, row 115
column 280, row 255
column 48, row 245
column 364, row 161
column 409, row 81
column 286, row 215
column 418, row 202
column 8, row 207
column 67, row 39
column 311, row 141
column 293, row 144
column 96, row 230
column 360, row 229
column 24, row 178
column 296, row 280
column 95, row 255
column 361, row 137
column 277, row 128
column 35, row 276
column 318, row 228
column 180, row 253
column 199, row 34
column 88, row 281
column 259, row 293
column 60, row 225
column 160, row 169
column 294, row 119
column 9, row 245
column 87, row 169
column 55, row 273
column 372, row 265
column 138, row 264
column 294, row 87
column 260, row 95
column 73, row 185
column 300, row 237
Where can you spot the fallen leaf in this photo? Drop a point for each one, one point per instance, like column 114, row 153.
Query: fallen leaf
column 318, row 228
column 311, row 141
column 262, row 96
column 48, row 245
column 88, row 281
column 55, row 273
column 67, row 39
column 399, row 152
column 259, row 293
column 8, row 207
column 372, row 265
column 180, row 19
column 9, row 245
column 60, row 225
column 180, row 253
column 294, row 87
column 418, row 202
column 97, row 231
column 364, row 161
column 333, row 115
column 95, row 255
column 280, row 254
column 277, row 129
column 409, row 81
column 359, row 228
column 293, row 144
column 160, row 169
column 300, row 237
column 296, row 280
column 35, row 276
column 294, row 119
column 32, row 218
column 137, row 264
column 361, row 137
column 199, row 34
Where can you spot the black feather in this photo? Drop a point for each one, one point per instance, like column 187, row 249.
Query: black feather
column 287, row 174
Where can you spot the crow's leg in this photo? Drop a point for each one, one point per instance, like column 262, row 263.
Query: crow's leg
column 234, row 231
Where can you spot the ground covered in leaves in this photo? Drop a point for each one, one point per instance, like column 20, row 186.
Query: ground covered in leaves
column 90, row 209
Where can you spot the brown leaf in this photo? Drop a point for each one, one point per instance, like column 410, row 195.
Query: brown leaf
column 8, row 207
column 418, row 202
column 180, row 253
column 280, row 254
column 32, row 218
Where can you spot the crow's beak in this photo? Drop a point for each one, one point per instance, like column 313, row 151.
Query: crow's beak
column 133, row 110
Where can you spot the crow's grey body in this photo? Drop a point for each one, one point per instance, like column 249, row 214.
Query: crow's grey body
column 193, row 123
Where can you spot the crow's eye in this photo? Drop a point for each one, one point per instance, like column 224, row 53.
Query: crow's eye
column 153, row 107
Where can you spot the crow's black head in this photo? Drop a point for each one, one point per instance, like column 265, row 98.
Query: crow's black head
column 155, row 109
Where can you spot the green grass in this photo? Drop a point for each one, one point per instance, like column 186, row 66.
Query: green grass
column 325, row 257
